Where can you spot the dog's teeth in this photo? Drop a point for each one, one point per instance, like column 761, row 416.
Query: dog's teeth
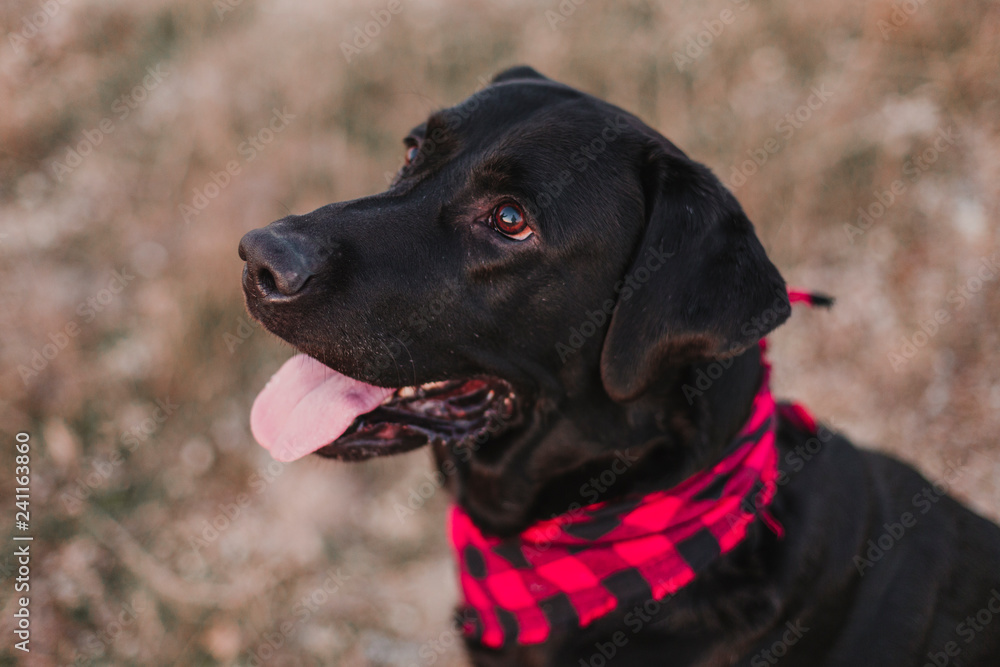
column 433, row 385
column 507, row 407
column 407, row 392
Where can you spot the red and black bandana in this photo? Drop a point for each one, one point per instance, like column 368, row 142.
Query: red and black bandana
column 577, row 567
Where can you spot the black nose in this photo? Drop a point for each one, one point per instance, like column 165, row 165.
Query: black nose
column 278, row 265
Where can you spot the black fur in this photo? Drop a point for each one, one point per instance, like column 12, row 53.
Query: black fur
column 604, row 194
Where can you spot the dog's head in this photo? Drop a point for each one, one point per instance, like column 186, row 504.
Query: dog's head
column 542, row 263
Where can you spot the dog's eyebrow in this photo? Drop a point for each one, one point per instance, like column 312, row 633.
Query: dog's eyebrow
column 496, row 171
column 417, row 132
column 439, row 128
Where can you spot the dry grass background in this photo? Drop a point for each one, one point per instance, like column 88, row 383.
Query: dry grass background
column 118, row 578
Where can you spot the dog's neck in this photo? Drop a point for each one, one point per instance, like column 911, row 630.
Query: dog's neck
column 725, row 403
column 580, row 565
column 679, row 427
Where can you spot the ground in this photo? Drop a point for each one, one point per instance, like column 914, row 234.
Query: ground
column 140, row 140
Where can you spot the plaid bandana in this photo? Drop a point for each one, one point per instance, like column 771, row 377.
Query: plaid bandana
column 577, row 567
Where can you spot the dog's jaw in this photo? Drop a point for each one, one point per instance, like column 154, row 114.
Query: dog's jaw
column 309, row 407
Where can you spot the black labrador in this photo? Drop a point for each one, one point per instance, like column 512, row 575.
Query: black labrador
column 541, row 289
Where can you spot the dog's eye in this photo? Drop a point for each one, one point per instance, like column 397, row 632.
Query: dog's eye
column 508, row 219
column 411, row 153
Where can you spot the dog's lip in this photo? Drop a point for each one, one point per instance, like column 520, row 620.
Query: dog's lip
column 450, row 412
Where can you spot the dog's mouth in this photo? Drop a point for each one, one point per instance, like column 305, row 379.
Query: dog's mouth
column 308, row 407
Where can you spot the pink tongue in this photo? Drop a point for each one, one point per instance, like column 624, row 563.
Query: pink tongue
column 307, row 405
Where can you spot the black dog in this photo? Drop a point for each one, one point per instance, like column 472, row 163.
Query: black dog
column 539, row 291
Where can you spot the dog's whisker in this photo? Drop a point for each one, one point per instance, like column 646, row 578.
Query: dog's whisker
column 413, row 364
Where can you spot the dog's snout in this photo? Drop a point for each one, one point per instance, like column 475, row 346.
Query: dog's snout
column 277, row 265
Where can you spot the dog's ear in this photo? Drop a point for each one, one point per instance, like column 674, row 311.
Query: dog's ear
column 518, row 72
column 700, row 285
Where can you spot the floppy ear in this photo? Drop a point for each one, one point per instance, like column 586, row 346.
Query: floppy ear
column 700, row 285
column 517, row 72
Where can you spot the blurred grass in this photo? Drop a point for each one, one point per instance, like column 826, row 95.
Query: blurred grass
column 175, row 333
